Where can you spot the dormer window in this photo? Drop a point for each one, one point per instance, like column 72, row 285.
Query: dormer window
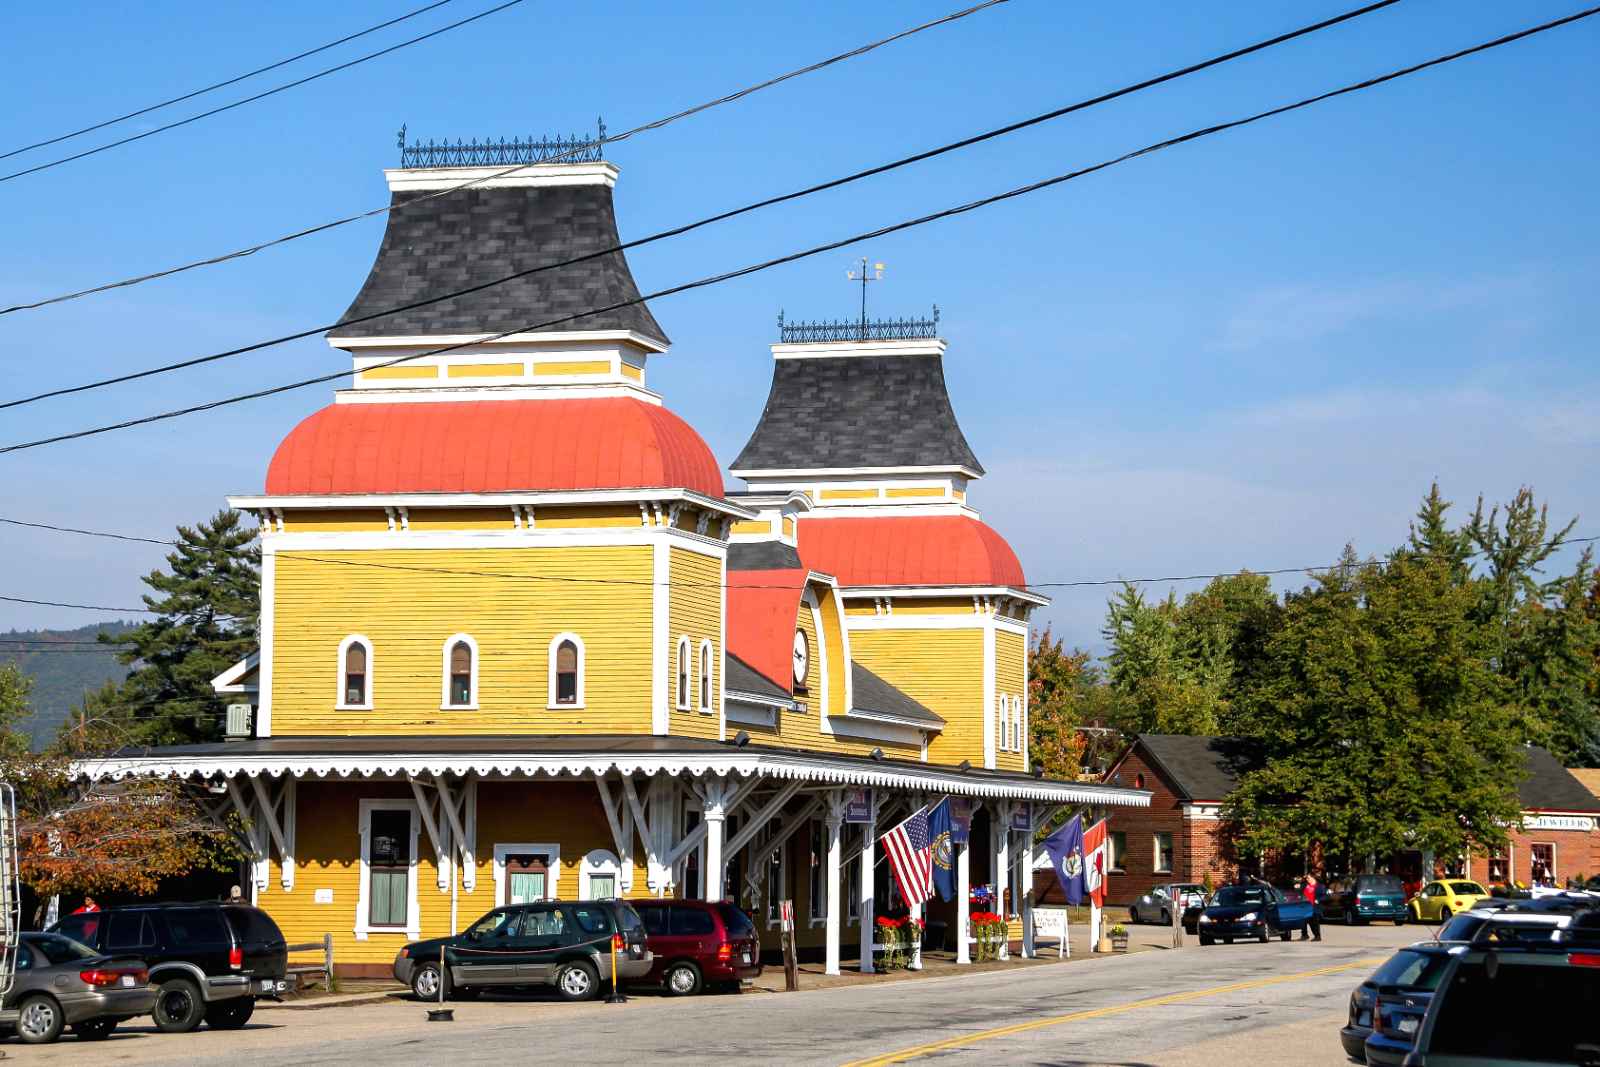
column 355, row 673
column 460, row 672
column 566, row 671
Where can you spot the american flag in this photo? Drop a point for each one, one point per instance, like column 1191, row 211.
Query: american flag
column 910, row 853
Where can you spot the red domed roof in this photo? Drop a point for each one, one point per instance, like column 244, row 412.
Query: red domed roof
column 489, row 446
column 909, row 550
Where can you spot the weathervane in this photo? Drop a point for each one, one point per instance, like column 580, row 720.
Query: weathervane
column 866, row 274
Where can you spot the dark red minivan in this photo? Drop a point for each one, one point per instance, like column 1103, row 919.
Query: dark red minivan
column 699, row 945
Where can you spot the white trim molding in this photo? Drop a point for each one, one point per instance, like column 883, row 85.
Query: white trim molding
column 601, row 861
column 413, row 927
column 444, row 683
column 552, row 704
column 339, row 694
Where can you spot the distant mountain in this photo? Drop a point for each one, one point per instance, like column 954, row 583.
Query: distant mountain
column 64, row 668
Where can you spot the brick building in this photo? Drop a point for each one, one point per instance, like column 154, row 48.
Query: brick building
column 1560, row 833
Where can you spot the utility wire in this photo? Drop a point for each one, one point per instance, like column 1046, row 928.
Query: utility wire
column 716, row 279
column 224, row 84
column 261, row 95
column 611, row 139
column 720, row 217
column 566, row 579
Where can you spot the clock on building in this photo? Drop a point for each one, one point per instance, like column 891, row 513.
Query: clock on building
column 802, row 659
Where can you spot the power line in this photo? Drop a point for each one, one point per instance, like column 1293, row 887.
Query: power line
column 722, row 216
column 611, row 139
column 716, row 279
column 85, row 607
column 89, row 533
column 261, row 95
column 224, row 84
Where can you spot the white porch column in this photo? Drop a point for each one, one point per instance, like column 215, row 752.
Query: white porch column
column 834, row 822
column 963, row 902
column 917, row 910
column 713, row 812
column 869, row 866
column 1001, row 823
column 1028, row 949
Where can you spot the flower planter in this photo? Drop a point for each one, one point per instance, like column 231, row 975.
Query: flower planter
column 1119, row 942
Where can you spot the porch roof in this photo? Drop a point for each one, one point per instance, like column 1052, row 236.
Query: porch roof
column 580, row 755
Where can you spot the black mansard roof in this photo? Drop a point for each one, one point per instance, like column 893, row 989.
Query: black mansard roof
column 857, row 411
column 476, row 235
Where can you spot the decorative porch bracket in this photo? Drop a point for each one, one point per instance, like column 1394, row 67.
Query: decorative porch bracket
column 442, row 846
column 260, row 813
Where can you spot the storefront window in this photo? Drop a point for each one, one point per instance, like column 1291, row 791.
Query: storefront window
column 1117, row 845
column 1542, row 864
column 389, row 865
column 1163, row 853
column 1500, row 867
column 817, row 886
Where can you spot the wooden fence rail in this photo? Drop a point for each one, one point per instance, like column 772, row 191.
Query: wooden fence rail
column 325, row 968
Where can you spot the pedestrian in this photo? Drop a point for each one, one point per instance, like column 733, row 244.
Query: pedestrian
column 1312, row 896
column 89, row 907
column 235, row 896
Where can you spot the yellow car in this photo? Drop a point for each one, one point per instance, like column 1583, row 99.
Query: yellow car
column 1444, row 898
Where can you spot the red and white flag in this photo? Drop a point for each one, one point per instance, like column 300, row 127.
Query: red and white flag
column 1094, row 862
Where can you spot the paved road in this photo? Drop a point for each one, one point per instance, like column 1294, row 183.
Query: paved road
column 1274, row 1003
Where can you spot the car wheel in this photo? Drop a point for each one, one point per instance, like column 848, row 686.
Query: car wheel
column 1227, row 941
column 1400, row 920
column 1262, row 937
column 577, row 981
column 179, row 1008
column 682, row 979
column 94, row 1029
column 426, row 980
column 1283, row 935
column 1349, row 916
column 39, row 1020
column 1133, row 916
column 230, row 1014
column 1205, row 940
column 1445, row 913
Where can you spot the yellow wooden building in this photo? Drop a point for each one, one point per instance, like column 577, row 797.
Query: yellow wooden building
column 519, row 641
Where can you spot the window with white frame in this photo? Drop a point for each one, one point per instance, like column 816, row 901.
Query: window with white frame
column 705, row 675
column 1010, row 724
column 600, row 876
column 460, row 672
column 817, row 886
column 683, row 673
column 777, row 881
column 355, row 673
column 388, row 890
column 1021, row 729
column 566, row 671
column 1163, row 853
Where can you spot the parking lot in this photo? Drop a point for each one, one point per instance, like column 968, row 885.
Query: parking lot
column 1276, row 1002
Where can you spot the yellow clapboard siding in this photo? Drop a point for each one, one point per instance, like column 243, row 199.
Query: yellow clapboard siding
column 400, row 372
column 1010, row 678
column 960, row 494
column 833, row 644
column 859, row 608
column 408, row 614
column 942, row 670
column 590, row 366
column 636, row 373
column 595, row 516
column 418, row 519
column 788, row 526
column 849, row 494
column 915, row 492
column 335, row 520
column 695, row 610
column 752, row 527
column 932, row 606
column 484, row 370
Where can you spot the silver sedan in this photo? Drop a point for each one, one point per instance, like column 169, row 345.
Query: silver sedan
column 1156, row 906
column 61, row 983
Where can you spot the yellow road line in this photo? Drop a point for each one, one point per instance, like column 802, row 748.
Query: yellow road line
column 1096, row 1013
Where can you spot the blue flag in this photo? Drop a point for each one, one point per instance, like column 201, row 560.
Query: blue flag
column 1065, row 847
column 944, row 864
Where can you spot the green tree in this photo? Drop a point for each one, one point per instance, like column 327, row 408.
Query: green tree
column 1069, row 710
column 1379, row 721
column 206, row 604
column 14, row 710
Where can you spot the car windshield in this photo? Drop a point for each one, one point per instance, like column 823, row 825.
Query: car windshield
column 1234, row 895
column 1377, row 883
column 494, row 924
column 58, row 949
column 252, row 925
column 1463, row 926
column 1412, row 970
column 1467, row 889
column 1552, row 1002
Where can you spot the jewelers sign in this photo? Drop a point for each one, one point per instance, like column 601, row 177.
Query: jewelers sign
column 1582, row 823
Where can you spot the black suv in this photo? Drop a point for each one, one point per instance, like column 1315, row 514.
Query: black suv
column 208, row 961
column 564, row 944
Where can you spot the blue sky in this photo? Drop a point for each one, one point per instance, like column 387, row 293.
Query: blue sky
column 1242, row 352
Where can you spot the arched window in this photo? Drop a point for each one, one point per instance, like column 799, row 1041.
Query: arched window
column 705, row 675
column 683, row 673
column 600, row 876
column 566, row 671
column 460, row 672
column 355, row 672
column 1005, row 723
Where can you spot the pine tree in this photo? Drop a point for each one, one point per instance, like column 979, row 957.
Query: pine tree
column 206, row 606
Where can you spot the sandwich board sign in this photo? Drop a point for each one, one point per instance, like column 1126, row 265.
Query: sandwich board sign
column 1052, row 923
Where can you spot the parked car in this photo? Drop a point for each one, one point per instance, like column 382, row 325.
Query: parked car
column 1444, row 897
column 63, row 983
column 1366, row 897
column 697, row 945
column 563, row 944
column 1258, row 911
column 1158, row 904
column 1415, row 968
column 1506, row 1003
column 209, row 961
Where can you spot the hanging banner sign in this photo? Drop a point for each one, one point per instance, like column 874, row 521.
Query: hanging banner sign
column 858, row 805
column 1022, row 817
column 960, row 819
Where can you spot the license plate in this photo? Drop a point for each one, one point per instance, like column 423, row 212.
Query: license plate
column 126, row 981
column 1407, row 1024
column 745, row 957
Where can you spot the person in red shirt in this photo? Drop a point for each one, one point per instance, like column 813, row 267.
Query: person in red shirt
column 88, row 908
column 1312, row 896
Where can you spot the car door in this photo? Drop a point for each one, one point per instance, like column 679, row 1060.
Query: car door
column 488, row 954
column 545, row 931
column 1432, row 897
